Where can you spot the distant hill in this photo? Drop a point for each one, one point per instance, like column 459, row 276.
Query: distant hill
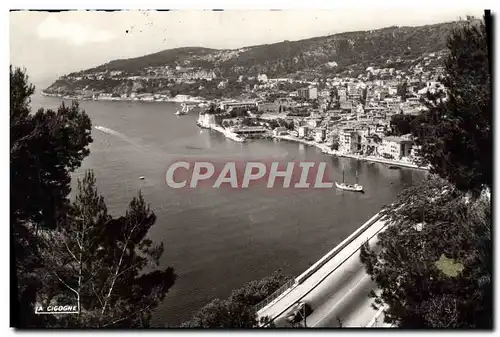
column 363, row 48
column 339, row 54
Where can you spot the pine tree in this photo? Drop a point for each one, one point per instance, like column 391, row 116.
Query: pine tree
column 45, row 147
column 455, row 133
column 106, row 266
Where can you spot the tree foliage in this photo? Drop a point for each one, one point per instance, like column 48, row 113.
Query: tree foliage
column 238, row 310
column 45, row 147
column 402, row 90
column 455, row 133
column 73, row 253
column 105, row 265
column 401, row 124
column 434, row 265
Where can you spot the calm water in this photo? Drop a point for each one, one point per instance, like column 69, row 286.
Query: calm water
column 217, row 240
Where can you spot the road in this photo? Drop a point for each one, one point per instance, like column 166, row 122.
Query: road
column 337, row 292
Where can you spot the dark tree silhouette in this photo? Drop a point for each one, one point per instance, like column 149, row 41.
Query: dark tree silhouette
column 455, row 134
column 238, row 310
column 434, row 264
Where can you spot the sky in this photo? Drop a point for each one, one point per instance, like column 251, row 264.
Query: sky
column 49, row 45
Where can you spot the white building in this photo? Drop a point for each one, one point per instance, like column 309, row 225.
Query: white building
column 243, row 105
column 320, row 135
column 349, row 141
column 395, row 147
column 262, row 78
column 280, row 131
column 303, row 131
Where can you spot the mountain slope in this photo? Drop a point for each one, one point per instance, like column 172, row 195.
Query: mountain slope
column 362, row 47
column 339, row 54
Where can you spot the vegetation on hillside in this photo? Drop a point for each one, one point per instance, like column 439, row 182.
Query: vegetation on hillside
column 435, row 266
column 455, row 133
column 238, row 310
column 340, row 54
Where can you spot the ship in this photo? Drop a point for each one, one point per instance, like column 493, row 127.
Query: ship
column 349, row 187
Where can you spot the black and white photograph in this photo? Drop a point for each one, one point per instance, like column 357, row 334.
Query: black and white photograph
column 240, row 169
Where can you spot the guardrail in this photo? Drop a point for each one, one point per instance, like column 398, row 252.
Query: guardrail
column 288, row 284
column 321, row 262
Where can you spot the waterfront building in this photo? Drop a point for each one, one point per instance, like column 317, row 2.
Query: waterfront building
column 303, row 131
column 242, row 105
column 319, row 134
column 207, row 120
column 369, row 145
column 249, row 131
column 349, row 141
column 280, row 131
column 298, row 122
column 414, row 152
column 395, row 147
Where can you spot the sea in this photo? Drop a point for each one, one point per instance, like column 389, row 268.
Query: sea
column 219, row 239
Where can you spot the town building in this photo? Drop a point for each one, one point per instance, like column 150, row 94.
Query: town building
column 303, row 131
column 319, row 135
column 308, row 93
column 395, row 147
column 313, row 122
column 242, row 105
column 280, row 131
column 272, row 107
column 349, row 141
column 249, row 131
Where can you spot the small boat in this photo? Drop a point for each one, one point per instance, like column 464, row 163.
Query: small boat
column 393, row 167
column 142, row 177
column 184, row 110
column 349, row 187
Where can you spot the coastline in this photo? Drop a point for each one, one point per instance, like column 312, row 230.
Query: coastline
column 326, row 150
column 229, row 135
column 128, row 99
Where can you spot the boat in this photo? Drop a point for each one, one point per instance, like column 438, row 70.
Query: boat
column 183, row 111
column 349, row 187
column 142, row 177
column 393, row 167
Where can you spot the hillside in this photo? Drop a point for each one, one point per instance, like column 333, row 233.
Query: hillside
column 340, row 54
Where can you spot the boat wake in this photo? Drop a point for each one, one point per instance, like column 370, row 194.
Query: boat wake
column 120, row 135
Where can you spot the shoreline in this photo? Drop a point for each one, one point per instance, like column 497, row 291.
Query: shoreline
column 223, row 131
column 326, row 150
column 128, row 99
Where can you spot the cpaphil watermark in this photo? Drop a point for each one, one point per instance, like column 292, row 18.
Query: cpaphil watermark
column 56, row 309
column 232, row 174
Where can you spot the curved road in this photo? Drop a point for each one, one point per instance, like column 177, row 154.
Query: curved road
column 337, row 292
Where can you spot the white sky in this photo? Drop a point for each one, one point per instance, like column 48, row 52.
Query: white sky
column 51, row 44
